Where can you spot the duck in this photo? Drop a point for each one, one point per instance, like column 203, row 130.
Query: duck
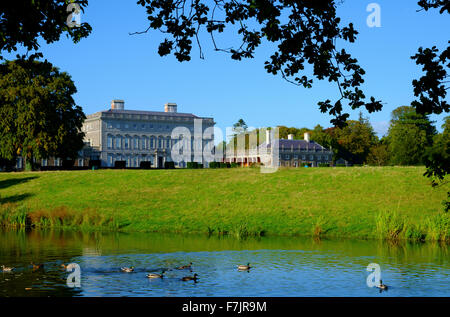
column 244, row 267
column 382, row 286
column 64, row 266
column 185, row 266
column 37, row 266
column 154, row 275
column 127, row 269
column 190, row 278
column 7, row 269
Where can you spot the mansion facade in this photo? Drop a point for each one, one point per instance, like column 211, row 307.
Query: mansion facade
column 281, row 152
column 138, row 136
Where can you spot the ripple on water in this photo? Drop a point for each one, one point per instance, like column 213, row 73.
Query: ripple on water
column 301, row 269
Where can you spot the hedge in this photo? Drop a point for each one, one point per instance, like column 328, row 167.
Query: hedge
column 145, row 165
column 169, row 165
column 120, row 164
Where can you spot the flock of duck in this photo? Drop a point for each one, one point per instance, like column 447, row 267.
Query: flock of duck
column 194, row 278
column 185, row 278
column 131, row 269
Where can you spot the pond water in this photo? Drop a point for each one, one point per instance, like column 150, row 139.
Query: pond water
column 281, row 266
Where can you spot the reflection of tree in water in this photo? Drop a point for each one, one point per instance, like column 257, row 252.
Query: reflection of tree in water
column 48, row 282
column 101, row 254
column 18, row 248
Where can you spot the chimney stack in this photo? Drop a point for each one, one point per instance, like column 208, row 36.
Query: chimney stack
column 290, row 137
column 170, row 107
column 268, row 136
column 117, row 104
column 307, row 136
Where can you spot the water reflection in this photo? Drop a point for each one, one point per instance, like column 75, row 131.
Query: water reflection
column 281, row 266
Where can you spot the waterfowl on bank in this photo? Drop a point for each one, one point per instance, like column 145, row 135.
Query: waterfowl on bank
column 127, row 269
column 64, row 266
column 7, row 269
column 190, row 278
column 154, row 275
column 244, row 267
column 37, row 266
column 382, row 286
column 185, row 266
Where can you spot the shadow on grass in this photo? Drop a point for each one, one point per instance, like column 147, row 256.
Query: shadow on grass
column 15, row 181
column 14, row 198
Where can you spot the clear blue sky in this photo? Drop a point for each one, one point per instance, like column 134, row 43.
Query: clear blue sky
column 111, row 64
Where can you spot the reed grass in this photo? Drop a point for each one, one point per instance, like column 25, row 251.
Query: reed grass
column 61, row 217
column 393, row 226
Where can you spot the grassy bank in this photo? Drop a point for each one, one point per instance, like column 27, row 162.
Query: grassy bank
column 360, row 202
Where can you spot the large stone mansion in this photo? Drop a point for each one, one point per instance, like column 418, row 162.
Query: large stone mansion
column 136, row 136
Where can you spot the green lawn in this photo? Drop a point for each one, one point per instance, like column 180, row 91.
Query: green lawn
column 363, row 202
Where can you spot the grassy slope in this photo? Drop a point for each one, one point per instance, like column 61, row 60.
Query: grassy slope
column 331, row 201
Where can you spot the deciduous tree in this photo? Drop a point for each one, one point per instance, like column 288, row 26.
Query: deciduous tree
column 409, row 136
column 23, row 22
column 304, row 32
column 38, row 116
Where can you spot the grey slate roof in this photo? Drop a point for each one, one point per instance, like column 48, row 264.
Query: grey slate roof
column 298, row 145
column 151, row 113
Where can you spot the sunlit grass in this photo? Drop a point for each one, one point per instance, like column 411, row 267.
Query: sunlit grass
column 363, row 202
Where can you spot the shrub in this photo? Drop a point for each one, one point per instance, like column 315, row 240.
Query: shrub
column 145, row 165
column 233, row 165
column 192, row 165
column 67, row 164
column 94, row 163
column 214, row 165
column 324, row 165
column 223, row 165
column 169, row 165
column 120, row 164
column 341, row 165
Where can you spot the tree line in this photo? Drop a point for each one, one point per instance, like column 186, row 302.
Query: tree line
column 412, row 139
column 302, row 33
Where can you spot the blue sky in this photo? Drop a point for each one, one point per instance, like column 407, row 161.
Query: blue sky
column 111, row 64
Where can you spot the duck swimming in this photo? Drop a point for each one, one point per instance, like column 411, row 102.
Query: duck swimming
column 382, row 286
column 154, row 275
column 190, row 278
column 37, row 266
column 244, row 267
column 185, row 266
column 7, row 269
column 127, row 269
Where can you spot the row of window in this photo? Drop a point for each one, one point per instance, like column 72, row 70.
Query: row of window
column 138, row 143
column 304, row 157
column 89, row 126
column 147, row 143
column 137, row 126
column 131, row 161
